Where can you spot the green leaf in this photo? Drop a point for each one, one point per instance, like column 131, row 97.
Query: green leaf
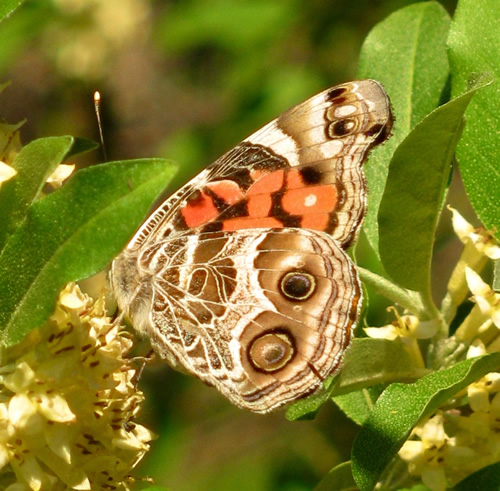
column 371, row 362
column 418, row 174
column 486, row 478
column 81, row 145
column 71, row 234
column 407, row 53
column 401, row 407
column 8, row 6
column 407, row 299
column 359, row 405
column 339, row 478
column 308, row 408
column 474, row 44
column 367, row 362
column 34, row 163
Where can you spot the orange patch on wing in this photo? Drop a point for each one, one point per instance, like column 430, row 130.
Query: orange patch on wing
column 243, row 223
column 294, row 179
column 227, row 190
column 318, row 221
column 199, row 211
column 266, row 183
column 259, row 205
column 310, row 200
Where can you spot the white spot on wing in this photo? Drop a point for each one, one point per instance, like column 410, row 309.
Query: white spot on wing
column 331, row 148
column 343, row 111
column 316, row 118
column 310, row 200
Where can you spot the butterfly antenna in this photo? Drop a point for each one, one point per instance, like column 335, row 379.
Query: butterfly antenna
column 97, row 107
column 143, row 360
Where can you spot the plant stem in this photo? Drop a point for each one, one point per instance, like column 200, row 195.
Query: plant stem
column 411, row 301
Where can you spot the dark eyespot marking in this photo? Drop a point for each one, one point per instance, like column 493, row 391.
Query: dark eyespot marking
column 334, row 93
column 297, row 285
column 343, row 127
column 310, row 175
column 271, row 351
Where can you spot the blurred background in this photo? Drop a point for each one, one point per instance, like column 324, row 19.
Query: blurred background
column 187, row 80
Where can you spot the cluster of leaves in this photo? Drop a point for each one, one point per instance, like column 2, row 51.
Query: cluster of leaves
column 435, row 70
column 69, row 234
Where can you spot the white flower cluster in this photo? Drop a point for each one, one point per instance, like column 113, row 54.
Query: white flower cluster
column 68, row 402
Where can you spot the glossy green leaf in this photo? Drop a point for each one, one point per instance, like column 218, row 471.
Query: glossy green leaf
column 407, row 53
column 368, row 362
column 71, row 234
column 409, row 211
column 371, row 362
column 484, row 479
column 474, row 44
column 8, row 6
column 401, row 407
column 338, row 479
column 81, row 145
column 34, row 164
column 359, row 405
column 308, row 408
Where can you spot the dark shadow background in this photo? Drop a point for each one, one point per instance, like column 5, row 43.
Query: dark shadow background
column 187, row 80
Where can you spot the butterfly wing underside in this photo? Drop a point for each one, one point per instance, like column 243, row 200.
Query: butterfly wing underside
column 241, row 276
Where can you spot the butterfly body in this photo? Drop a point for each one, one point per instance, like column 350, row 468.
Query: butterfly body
column 241, row 277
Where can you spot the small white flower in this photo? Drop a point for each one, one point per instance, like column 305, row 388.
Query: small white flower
column 485, row 297
column 6, row 172
column 482, row 240
column 436, row 457
column 60, row 174
column 68, row 403
column 405, row 326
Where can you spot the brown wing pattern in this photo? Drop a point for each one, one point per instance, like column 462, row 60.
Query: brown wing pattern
column 241, row 276
column 302, row 170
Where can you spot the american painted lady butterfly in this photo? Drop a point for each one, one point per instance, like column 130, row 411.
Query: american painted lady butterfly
column 240, row 277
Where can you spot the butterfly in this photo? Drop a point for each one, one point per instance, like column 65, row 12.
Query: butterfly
column 241, row 277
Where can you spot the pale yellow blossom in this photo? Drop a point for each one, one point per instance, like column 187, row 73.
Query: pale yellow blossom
column 6, row 172
column 482, row 240
column 68, row 403
column 407, row 328
column 434, row 456
column 485, row 297
column 479, row 246
column 470, row 441
column 60, row 174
